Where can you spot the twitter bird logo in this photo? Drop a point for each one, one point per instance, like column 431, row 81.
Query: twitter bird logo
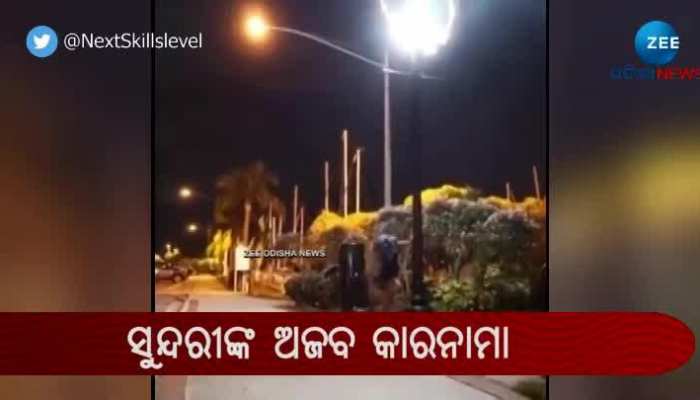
column 42, row 41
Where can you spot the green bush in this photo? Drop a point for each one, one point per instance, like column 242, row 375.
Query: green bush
column 315, row 289
column 453, row 295
column 502, row 289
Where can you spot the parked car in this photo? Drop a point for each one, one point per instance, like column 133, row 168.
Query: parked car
column 173, row 272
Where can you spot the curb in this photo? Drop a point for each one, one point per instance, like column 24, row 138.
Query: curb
column 496, row 389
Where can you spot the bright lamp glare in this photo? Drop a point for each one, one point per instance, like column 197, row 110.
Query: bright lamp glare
column 419, row 26
column 185, row 192
column 256, row 27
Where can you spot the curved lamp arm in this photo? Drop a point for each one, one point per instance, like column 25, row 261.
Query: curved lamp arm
column 349, row 52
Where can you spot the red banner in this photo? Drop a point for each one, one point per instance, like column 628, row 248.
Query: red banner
column 342, row 343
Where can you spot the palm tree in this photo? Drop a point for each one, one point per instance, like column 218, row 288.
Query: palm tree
column 246, row 192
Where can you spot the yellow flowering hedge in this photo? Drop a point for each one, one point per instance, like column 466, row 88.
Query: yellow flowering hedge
column 443, row 192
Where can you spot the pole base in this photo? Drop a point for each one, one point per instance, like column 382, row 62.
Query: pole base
column 419, row 303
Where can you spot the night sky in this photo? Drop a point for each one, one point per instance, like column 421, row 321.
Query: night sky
column 287, row 100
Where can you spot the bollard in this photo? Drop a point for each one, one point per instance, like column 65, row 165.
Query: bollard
column 353, row 282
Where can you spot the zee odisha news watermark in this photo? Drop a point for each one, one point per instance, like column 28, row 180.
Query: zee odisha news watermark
column 656, row 43
column 316, row 343
column 285, row 253
column 632, row 72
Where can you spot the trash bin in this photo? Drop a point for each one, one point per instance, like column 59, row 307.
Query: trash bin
column 353, row 282
column 387, row 248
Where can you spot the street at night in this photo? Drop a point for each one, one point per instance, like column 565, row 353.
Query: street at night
column 350, row 200
column 307, row 148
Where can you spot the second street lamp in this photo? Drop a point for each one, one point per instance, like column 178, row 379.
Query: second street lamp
column 192, row 228
column 420, row 28
column 185, row 192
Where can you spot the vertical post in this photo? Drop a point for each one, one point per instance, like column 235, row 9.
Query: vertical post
column 509, row 192
column 246, row 221
column 225, row 264
column 301, row 234
column 327, row 184
column 235, row 270
column 419, row 299
column 270, row 228
column 301, row 223
column 345, row 173
column 273, row 230
column 296, row 205
column 387, row 132
column 536, row 178
column 276, row 232
column 358, row 174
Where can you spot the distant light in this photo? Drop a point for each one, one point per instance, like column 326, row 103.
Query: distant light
column 192, row 228
column 256, row 27
column 419, row 26
column 185, row 192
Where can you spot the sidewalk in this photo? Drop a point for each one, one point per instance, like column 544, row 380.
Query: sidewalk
column 330, row 388
column 205, row 293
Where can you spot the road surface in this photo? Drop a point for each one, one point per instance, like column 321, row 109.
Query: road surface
column 207, row 293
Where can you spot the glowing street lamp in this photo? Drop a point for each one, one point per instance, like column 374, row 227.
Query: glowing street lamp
column 185, row 192
column 192, row 228
column 256, row 27
column 419, row 28
column 188, row 193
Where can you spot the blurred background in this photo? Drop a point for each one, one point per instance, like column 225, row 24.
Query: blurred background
column 624, row 165
column 624, row 168
column 74, row 173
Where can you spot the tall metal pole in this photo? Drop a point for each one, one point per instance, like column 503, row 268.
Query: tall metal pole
column 301, row 234
column 536, row 178
column 296, row 205
column 301, row 225
column 387, row 131
column 358, row 174
column 345, row 173
column 273, row 230
column 326, row 181
column 419, row 299
column 246, row 222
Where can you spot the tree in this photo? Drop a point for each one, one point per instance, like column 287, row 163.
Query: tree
column 244, row 194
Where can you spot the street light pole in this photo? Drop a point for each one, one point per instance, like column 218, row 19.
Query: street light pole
column 296, row 206
column 387, row 132
column 258, row 28
column 358, row 175
column 419, row 301
column 345, row 172
column 419, row 27
column 326, row 185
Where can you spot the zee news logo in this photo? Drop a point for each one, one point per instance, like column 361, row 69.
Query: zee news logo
column 657, row 44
